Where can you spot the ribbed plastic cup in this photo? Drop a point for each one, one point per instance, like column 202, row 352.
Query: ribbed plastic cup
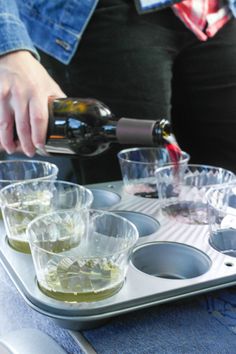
column 94, row 265
column 138, row 166
column 22, row 202
column 182, row 191
column 221, row 202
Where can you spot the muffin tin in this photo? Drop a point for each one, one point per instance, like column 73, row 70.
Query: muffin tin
column 171, row 261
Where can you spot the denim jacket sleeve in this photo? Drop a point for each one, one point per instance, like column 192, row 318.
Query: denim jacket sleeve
column 55, row 26
column 232, row 6
column 13, row 33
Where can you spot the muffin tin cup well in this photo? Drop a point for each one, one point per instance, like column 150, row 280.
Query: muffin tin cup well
column 170, row 260
column 146, row 225
column 104, row 199
column 224, row 241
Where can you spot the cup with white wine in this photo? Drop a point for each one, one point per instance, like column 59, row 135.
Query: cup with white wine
column 22, row 202
column 90, row 270
column 12, row 171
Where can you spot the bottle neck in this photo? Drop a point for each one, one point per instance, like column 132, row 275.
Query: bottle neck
column 145, row 132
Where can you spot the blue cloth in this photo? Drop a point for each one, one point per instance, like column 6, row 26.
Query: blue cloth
column 182, row 327
column 222, row 306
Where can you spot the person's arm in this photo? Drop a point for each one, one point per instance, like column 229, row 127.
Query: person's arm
column 25, row 85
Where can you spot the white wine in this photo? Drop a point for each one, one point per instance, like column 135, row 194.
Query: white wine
column 19, row 214
column 82, row 280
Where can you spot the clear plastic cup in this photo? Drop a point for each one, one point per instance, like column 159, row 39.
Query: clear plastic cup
column 22, row 202
column 138, row 166
column 12, row 171
column 182, row 190
column 95, row 264
column 221, row 202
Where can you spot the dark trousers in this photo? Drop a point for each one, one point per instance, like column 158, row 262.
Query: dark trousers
column 151, row 66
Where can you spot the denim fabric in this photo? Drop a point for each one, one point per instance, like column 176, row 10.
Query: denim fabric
column 232, row 6
column 13, row 32
column 147, row 6
column 55, row 26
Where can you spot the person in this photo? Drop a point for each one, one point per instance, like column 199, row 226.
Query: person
column 143, row 58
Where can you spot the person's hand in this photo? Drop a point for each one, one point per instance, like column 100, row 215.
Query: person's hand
column 25, row 87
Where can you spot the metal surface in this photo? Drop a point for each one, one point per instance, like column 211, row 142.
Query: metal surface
column 201, row 269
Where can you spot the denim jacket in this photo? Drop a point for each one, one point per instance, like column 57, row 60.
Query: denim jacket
column 54, row 26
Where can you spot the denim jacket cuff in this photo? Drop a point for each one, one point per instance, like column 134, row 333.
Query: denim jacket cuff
column 14, row 36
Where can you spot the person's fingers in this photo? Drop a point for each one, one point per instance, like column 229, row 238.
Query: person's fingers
column 22, row 122
column 38, row 113
column 25, row 87
column 6, row 127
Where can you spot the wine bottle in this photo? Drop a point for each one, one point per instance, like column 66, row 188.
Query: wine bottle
column 87, row 127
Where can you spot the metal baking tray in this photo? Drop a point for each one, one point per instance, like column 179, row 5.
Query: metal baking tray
column 171, row 261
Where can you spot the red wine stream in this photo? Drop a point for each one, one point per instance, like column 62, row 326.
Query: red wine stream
column 175, row 156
